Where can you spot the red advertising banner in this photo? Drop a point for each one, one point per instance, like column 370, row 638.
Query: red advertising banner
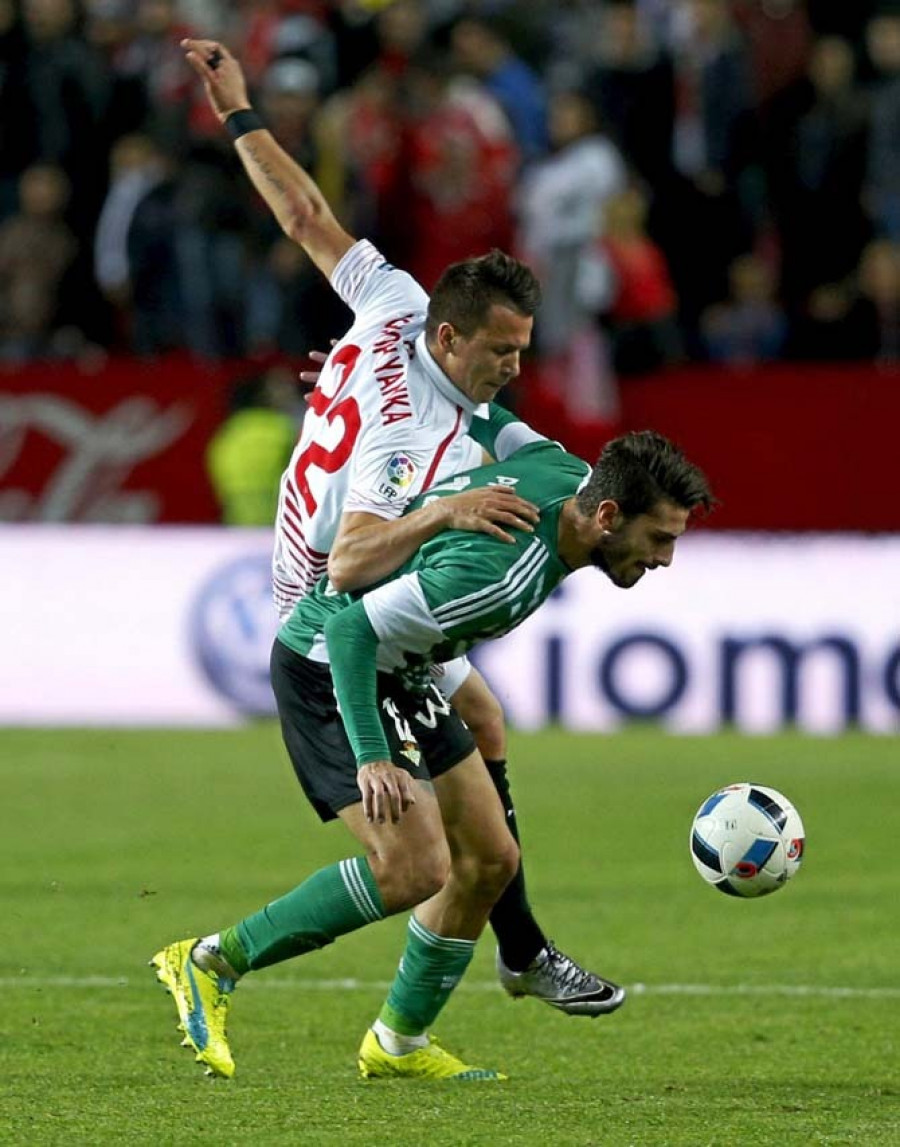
column 124, row 443
column 788, row 447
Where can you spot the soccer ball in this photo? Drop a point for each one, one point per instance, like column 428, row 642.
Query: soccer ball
column 747, row 840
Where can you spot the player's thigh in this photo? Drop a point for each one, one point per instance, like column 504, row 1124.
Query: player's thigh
column 482, row 712
column 472, row 813
column 473, row 816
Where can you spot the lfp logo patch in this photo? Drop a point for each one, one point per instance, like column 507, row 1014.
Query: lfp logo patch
column 400, row 471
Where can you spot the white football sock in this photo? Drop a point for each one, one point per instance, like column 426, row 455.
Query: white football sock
column 207, row 955
column 396, row 1044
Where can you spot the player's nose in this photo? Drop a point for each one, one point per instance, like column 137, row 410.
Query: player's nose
column 512, row 367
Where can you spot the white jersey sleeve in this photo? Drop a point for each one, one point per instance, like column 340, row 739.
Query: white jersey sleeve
column 372, row 288
column 386, row 478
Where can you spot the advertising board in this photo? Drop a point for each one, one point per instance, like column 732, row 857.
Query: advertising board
column 173, row 626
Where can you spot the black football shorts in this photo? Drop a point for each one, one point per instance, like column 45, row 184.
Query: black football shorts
column 425, row 735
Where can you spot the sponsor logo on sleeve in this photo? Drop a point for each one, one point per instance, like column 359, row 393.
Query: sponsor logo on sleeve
column 399, row 475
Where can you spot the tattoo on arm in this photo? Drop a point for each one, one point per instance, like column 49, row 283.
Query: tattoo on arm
column 265, row 169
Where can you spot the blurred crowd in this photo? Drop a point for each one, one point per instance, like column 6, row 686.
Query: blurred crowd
column 691, row 179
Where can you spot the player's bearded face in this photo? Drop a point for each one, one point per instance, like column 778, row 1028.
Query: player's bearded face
column 631, row 546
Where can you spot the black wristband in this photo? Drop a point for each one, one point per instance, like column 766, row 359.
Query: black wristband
column 239, row 123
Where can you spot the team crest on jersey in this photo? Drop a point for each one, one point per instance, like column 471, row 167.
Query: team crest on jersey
column 410, row 750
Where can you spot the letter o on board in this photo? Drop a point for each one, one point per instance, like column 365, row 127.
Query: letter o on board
column 669, row 656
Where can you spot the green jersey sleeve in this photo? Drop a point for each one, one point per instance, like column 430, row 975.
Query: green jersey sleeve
column 499, row 432
column 352, row 646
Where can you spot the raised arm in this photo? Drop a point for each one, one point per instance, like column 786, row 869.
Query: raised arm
column 292, row 195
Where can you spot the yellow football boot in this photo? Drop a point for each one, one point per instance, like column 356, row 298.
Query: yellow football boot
column 202, row 1000
column 431, row 1062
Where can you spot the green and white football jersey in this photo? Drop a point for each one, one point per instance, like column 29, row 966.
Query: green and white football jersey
column 460, row 588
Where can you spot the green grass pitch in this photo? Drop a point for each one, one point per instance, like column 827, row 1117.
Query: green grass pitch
column 749, row 1022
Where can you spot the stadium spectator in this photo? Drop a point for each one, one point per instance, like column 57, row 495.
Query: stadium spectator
column 36, row 250
column 362, row 133
column 482, row 48
column 137, row 166
column 401, row 33
column 65, row 102
column 778, row 36
column 750, row 326
column 210, row 245
column 154, row 279
column 632, row 85
column 460, row 162
column 150, row 60
column 712, row 192
column 283, row 289
column 882, row 181
column 16, row 129
column 816, row 171
column 630, row 287
column 858, row 317
column 878, row 303
column 248, row 453
column 561, row 209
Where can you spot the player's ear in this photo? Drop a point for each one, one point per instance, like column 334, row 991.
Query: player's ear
column 608, row 515
column 446, row 336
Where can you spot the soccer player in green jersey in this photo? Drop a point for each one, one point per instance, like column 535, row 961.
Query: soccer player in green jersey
column 374, row 743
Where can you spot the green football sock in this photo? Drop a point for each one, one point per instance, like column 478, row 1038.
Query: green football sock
column 430, row 969
column 332, row 902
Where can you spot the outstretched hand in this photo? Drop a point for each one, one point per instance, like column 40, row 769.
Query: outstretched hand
column 221, row 74
column 386, row 789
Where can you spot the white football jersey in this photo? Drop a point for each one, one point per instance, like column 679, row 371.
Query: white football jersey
column 384, row 423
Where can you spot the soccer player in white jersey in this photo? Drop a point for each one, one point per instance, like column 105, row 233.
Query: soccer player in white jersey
column 373, row 742
column 394, row 411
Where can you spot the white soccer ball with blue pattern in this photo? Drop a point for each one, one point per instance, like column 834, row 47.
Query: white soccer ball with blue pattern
column 747, row 840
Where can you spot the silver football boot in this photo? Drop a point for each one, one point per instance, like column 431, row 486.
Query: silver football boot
column 556, row 979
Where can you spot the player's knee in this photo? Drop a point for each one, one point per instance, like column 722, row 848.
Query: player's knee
column 431, row 874
column 485, row 875
column 507, row 864
column 407, row 876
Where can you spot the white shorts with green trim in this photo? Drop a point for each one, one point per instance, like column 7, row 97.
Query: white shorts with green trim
column 450, row 675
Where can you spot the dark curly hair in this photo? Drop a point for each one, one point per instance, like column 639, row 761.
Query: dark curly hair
column 640, row 469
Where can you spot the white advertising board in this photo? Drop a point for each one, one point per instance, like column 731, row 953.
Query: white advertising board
column 125, row 625
column 122, row 625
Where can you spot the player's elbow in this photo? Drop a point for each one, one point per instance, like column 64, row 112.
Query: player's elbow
column 307, row 219
column 296, row 218
column 342, row 574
